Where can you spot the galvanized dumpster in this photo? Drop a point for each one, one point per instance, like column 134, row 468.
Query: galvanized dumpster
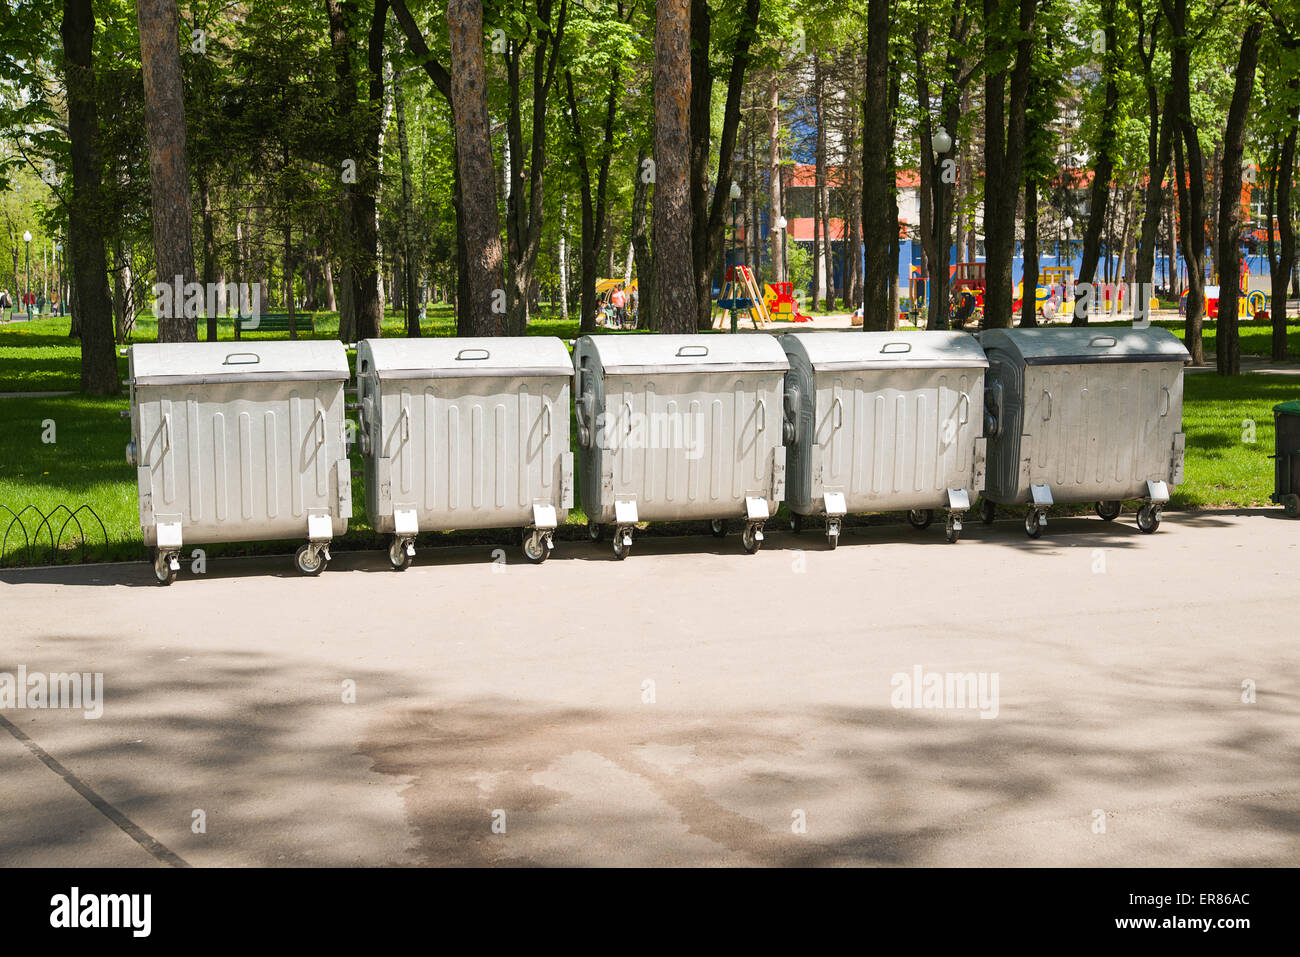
column 465, row 433
column 240, row 442
column 679, row 427
column 882, row 421
column 1083, row 415
column 1286, row 457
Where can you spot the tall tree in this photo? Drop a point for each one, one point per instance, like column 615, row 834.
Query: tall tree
column 1103, row 166
column 85, row 235
column 480, row 220
column 877, row 188
column 169, row 174
column 676, row 301
column 1227, row 344
column 1008, row 55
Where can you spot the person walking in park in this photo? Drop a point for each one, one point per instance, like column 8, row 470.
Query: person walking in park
column 619, row 302
column 5, row 303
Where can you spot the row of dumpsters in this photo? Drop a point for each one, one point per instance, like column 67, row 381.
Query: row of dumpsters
column 254, row 442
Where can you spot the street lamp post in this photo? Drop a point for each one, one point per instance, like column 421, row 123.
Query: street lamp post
column 940, row 144
column 27, row 278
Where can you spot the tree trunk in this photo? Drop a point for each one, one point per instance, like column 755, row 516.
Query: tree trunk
column 480, row 221
column 169, row 177
column 1280, row 266
column 1227, row 344
column 94, row 303
column 820, row 279
column 1029, row 278
column 1104, row 165
column 209, row 250
column 775, row 236
column 876, row 191
column 408, row 217
column 1004, row 141
column 594, row 196
column 1191, row 198
column 675, row 294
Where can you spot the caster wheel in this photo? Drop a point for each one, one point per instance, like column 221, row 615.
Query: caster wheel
column 1109, row 511
column 595, row 531
column 162, row 569
column 988, row 511
column 1032, row 528
column 796, row 522
column 1148, row 518
column 952, row 534
column 397, row 556
column 750, row 540
column 620, row 550
column 832, row 542
column 718, row 527
column 1291, row 506
column 920, row 517
column 536, row 547
column 310, row 560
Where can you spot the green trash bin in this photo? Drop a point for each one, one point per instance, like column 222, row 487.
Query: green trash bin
column 1286, row 458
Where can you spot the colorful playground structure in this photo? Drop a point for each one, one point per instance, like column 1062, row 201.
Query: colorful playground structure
column 741, row 296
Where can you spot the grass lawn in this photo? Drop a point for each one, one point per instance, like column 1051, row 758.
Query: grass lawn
column 85, row 464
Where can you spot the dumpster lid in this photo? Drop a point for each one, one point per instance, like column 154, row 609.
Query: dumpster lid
column 202, row 363
column 830, row 351
column 453, row 358
column 1070, row 346
column 1288, row 408
column 648, row 354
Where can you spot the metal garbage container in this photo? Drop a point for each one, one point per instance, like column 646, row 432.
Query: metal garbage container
column 883, row 421
column 1286, row 457
column 1083, row 415
column 465, row 433
column 240, row 442
column 677, row 428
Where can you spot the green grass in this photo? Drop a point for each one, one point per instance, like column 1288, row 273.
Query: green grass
column 85, row 464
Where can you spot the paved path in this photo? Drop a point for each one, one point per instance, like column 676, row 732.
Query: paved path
column 484, row 687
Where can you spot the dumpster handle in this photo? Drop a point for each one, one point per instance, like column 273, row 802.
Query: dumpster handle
column 1102, row 342
column 965, row 414
column 762, row 422
column 837, row 414
column 1049, row 405
column 546, row 420
column 242, row 359
column 628, row 407
column 473, row 354
column 896, row 347
column 686, row 351
column 404, row 420
column 1169, row 401
column 167, row 432
column 319, row 418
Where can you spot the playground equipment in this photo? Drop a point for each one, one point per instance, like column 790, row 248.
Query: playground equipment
column 1250, row 303
column 739, row 294
column 918, row 298
column 967, row 301
column 780, row 303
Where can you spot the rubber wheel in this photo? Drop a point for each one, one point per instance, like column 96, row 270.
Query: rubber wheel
column 1032, row 528
column 718, row 527
column 796, row 522
column 920, row 517
column 397, row 556
column 595, row 531
column 163, row 572
column 1148, row 519
column 833, row 541
column 309, row 560
column 620, row 550
column 749, row 540
column 1291, row 505
column 951, row 534
column 988, row 511
column 535, row 548
column 1109, row 511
